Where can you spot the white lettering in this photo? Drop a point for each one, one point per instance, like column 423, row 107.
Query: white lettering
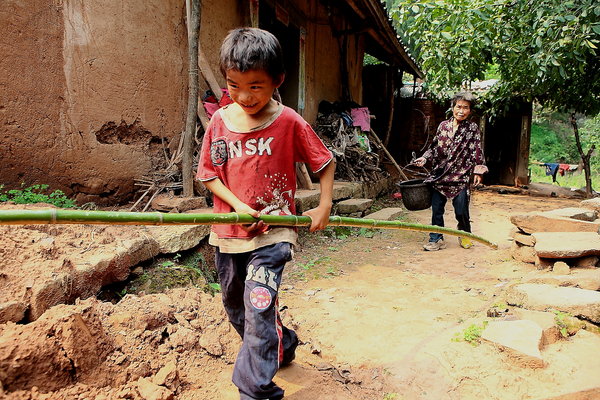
column 235, row 149
column 251, row 146
column 264, row 146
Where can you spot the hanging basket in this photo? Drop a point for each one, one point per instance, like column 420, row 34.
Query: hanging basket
column 416, row 195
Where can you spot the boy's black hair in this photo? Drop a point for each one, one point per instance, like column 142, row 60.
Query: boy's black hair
column 466, row 96
column 247, row 49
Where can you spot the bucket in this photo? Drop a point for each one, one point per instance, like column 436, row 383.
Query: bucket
column 416, row 195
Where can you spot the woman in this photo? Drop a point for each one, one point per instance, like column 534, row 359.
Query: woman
column 455, row 155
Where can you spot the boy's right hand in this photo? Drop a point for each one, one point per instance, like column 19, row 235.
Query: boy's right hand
column 257, row 226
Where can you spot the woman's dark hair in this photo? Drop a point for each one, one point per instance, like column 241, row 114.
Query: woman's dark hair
column 466, row 96
column 247, row 49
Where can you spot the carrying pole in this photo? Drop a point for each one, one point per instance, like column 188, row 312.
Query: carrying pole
column 67, row 216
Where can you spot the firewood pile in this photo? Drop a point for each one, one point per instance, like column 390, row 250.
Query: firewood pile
column 356, row 156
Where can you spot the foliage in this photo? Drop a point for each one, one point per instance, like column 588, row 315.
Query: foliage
column 544, row 50
column 313, row 269
column 371, row 60
column 551, row 141
column 590, row 136
column 548, row 147
column 36, row 194
column 179, row 270
column 471, row 334
column 560, row 319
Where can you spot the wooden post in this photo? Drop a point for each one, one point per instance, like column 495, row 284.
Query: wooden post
column 303, row 180
column 388, row 133
column 190, row 125
column 387, row 153
column 208, row 75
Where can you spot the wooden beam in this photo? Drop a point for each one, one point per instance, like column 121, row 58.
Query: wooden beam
column 208, row 74
column 387, row 153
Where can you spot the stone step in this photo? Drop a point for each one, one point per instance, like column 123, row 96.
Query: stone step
column 520, row 339
column 353, row 206
column 566, row 244
column 386, row 214
column 577, row 302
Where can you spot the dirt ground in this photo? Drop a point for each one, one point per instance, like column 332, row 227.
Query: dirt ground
column 378, row 318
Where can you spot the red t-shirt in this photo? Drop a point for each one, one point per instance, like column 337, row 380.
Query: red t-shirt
column 259, row 166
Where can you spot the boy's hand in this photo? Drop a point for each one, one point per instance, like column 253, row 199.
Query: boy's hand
column 319, row 217
column 257, row 226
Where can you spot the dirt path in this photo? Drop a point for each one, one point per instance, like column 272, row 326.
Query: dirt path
column 377, row 318
column 396, row 307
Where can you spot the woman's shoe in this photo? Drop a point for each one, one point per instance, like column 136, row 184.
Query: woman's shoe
column 434, row 246
column 465, row 243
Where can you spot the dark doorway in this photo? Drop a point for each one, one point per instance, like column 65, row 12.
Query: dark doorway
column 289, row 37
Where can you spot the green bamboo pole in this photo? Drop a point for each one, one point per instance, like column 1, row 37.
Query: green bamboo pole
column 67, row 216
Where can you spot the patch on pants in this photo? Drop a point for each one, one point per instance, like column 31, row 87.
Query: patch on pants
column 261, row 275
column 260, row 297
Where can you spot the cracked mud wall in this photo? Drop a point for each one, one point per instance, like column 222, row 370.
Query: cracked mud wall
column 89, row 91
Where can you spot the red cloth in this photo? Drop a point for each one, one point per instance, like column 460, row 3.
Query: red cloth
column 211, row 105
column 259, row 166
column 562, row 168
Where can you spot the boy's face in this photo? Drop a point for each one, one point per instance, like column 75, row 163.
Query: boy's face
column 252, row 90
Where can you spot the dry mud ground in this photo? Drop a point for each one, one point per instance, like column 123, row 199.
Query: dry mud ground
column 378, row 318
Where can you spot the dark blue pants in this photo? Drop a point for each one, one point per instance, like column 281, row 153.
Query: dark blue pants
column 250, row 283
column 461, row 212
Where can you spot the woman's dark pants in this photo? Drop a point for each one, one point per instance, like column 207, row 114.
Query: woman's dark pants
column 250, row 283
column 461, row 212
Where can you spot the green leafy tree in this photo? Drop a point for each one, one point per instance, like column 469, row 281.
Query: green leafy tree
column 542, row 50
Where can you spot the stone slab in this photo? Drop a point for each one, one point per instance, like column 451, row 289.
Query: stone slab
column 306, row 199
column 346, row 190
column 386, row 214
column 581, row 214
column 166, row 202
column 524, row 239
column 566, row 244
column 521, row 339
column 581, row 278
column 350, row 206
column 577, row 302
column 546, row 321
column 546, row 222
column 175, row 238
column 592, row 204
column 522, row 253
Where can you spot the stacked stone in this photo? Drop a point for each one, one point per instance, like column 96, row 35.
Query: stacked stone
column 559, row 239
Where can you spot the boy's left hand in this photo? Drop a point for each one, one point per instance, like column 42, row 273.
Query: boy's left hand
column 319, row 217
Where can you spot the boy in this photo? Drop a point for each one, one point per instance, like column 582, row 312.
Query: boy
column 248, row 162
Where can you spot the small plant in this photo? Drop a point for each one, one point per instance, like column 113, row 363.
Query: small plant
column 36, row 194
column 471, row 334
column 366, row 232
column 390, row 396
column 311, row 266
column 563, row 322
